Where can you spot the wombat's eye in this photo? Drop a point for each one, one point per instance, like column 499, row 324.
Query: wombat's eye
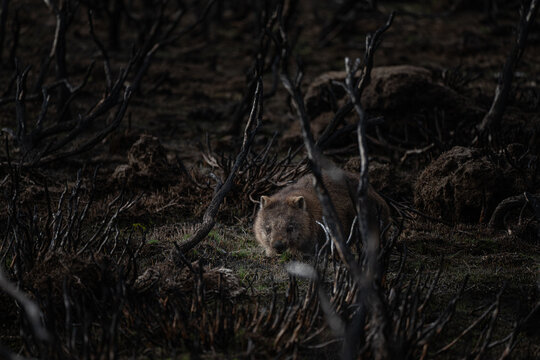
column 290, row 228
column 267, row 229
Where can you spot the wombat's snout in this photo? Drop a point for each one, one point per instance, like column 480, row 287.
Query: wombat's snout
column 279, row 247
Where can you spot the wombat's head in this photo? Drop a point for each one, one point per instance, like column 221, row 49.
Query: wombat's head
column 284, row 223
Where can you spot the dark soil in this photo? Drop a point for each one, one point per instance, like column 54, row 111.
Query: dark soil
column 117, row 209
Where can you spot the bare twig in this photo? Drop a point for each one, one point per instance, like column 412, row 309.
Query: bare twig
column 168, row 38
column 99, row 44
column 64, row 14
column 368, row 281
column 20, row 108
column 48, row 140
column 415, row 152
column 512, row 203
column 530, row 321
column 355, row 335
column 36, row 150
column 495, row 113
column 261, row 54
column 467, row 330
column 488, row 331
column 209, row 217
column 99, row 136
column 372, row 43
column 315, row 160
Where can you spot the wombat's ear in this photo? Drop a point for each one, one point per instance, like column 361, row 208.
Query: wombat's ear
column 297, row 202
column 264, row 201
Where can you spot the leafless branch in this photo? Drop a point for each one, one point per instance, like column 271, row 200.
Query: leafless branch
column 364, row 78
column 261, row 173
column 99, row 44
column 55, row 138
column 314, row 156
column 265, row 39
column 371, row 276
column 95, row 139
column 355, row 335
column 475, row 323
column 209, row 217
column 64, row 15
column 502, row 92
column 512, row 203
column 155, row 43
column 372, row 43
column 528, row 322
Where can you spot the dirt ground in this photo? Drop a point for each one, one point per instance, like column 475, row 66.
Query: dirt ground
column 112, row 283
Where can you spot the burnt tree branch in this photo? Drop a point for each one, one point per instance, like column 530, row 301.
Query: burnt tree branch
column 512, row 203
column 63, row 13
column 209, row 217
column 99, row 44
column 502, row 92
column 315, row 158
column 355, row 336
column 155, row 43
column 370, row 292
column 367, row 272
column 372, row 43
column 53, row 138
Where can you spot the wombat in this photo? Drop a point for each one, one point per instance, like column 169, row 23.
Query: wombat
column 287, row 219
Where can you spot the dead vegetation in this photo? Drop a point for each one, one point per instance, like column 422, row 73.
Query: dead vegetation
column 138, row 137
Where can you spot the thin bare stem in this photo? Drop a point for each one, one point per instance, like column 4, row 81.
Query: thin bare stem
column 502, row 92
column 209, row 217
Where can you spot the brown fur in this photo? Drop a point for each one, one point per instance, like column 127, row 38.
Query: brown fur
column 287, row 219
